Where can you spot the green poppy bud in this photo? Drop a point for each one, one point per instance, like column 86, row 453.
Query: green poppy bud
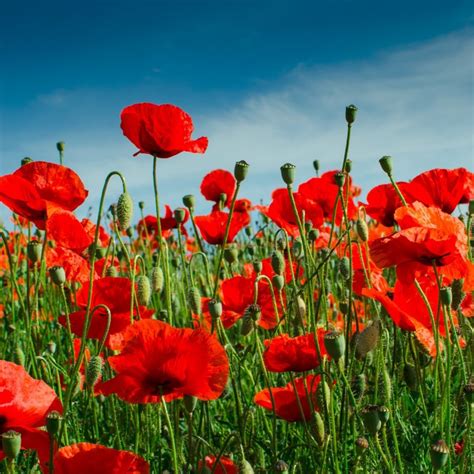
column 288, row 173
column 257, row 266
column 111, row 272
column 53, row 423
column 245, row 467
column 278, row 282
column 316, row 166
column 241, row 170
column 157, row 279
column 386, row 164
column 384, row 414
column 319, row 428
column 11, row 444
column 278, row 262
column 93, row 371
column 141, row 205
column 19, row 356
column 179, row 215
column 344, row 267
column 231, row 254
column 458, row 293
column 351, row 112
column 143, row 290
column 194, row 300
column 124, row 211
column 362, row 230
column 313, row 235
column 446, row 296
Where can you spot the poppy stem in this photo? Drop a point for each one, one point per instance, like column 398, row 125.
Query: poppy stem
column 171, row 435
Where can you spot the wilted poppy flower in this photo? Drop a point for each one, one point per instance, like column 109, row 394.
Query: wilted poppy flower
column 158, row 360
column 286, row 399
column 36, row 190
column 212, row 226
column 160, row 130
column 116, row 294
column 97, row 459
column 24, row 404
column 298, row 354
column 218, row 182
column 225, row 465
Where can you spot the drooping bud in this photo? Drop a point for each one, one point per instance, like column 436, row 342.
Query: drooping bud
column 215, row 309
column 58, row 275
column 194, row 300
column 157, row 279
column 335, row 343
column 93, row 371
column 245, row 467
column 362, row 230
column 143, row 290
column 33, row 251
column 439, row 454
column 241, row 170
column 179, row 215
column 300, row 308
column 288, row 173
column 386, row 164
column 257, row 266
column 278, row 282
column 351, row 112
column 344, row 267
column 371, row 418
column 11, row 444
column 124, row 210
column 278, row 262
column 53, row 423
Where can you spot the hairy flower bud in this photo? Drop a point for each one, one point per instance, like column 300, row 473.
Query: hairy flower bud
column 93, row 371
column 194, row 300
column 278, row 262
column 143, row 290
column 124, row 211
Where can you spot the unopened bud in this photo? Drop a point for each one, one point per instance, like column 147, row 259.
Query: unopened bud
column 143, row 290
column 124, row 210
column 93, row 371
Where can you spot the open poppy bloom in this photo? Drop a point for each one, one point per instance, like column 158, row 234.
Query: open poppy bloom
column 158, row 360
column 212, row 226
column 24, row 404
column 297, row 354
column 97, row 459
column 116, row 294
column 160, row 130
column 286, row 399
column 36, row 190
column 216, row 183
column 225, row 465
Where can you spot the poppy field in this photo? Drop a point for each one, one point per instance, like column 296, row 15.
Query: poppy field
column 328, row 330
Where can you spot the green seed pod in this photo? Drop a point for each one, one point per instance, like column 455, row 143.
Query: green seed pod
column 313, row 235
column 278, row 262
column 33, row 251
column 384, row 414
column 51, row 347
column 288, row 173
column 189, row 201
column 11, row 444
column 458, row 293
column 371, row 419
column 348, row 166
column 339, row 179
column 359, row 385
column 361, row 445
column 316, row 166
column 215, row 309
column 58, row 275
column 344, row 267
column 231, row 254
column 410, row 377
column 362, row 230
column 386, row 164
column 190, row 403
column 141, row 205
column 60, row 146
column 278, row 282
column 281, row 466
column 241, row 170
column 335, row 344
column 26, row 160
column 179, row 215
column 439, row 454
column 469, row 392
column 93, row 371
column 446, row 296
column 143, row 290
column 249, row 426
column 53, row 423
column 297, row 249
column 368, row 339
column 19, row 356
column 319, row 428
column 351, row 113
column 101, row 252
column 323, row 396
column 194, row 300
column 111, row 272
column 257, row 266
column 344, row 306
column 124, row 211
column 157, row 279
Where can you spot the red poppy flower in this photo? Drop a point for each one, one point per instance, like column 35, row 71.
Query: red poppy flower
column 286, row 399
column 148, row 225
column 157, row 360
column 280, row 211
column 97, row 459
column 243, row 205
column 225, row 465
column 160, row 130
column 218, row 182
column 212, row 226
column 24, row 404
column 36, row 190
column 64, row 228
column 115, row 293
column 297, row 354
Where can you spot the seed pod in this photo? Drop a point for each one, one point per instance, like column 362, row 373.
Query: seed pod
column 143, row 290
column 344, row 267
column 386, row 164
column 313, row 235
column 93, row 371
column 384, row 414
column 189, row 201
column 231, row 254
column 11, row 444
column 194, row 300
column 319, row 428
column 58, row 275
column 179, row 215
column 257, row 266
column 439, row 454
column 157, row 279
column 371, row 419
column 190, row 403
column 362, row 230
column 26, row 160
column 215, row 309
column 368, row 339
column 33, row 251
column 288, row 173
column 446, row 296
column 19, row 356
column 111, row 272
column 124, row 211
column 335, row 343
column 278, row 262
column 351, row 113
column 348, row 166
column 410, row 377
column 278, row 282
column 458, row 293
column 344, row 306
column 241, row 170
column 53, row 423
column 339, row 179
column 60, row 146
column 51, row 348
column 281, row 466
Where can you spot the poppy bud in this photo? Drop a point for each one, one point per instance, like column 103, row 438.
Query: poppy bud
column 368, row 339
column 446, row 296
column 386, row 164
column 297, row 248
column 19, row 356
column 339, row 179
column 439, row 454
column 53, row 423
column 240, row 170
column 26, row 160
column 409, row 375
column 348, row 166
column 301, row 307
column 320, row 430
column 51, row 347
column 190, row 403
column 288, row 173
column 231, row 254
column 179, row 215
column 316, row 166
column 33, row 251
column 248, row 325
column 335, row 344
column 362, row 230
column 257, row 266
column 111, row 272
column 371, row 419
column 58, row 275
column 344, row 267
column 60, row 146
column 280, row 244
column 194, row 300
column 93, row 371
column 189, row 201
column 351, row 112
column 469, row 392
column 11, row 444
column 278, row 262
column 361, row 445
column 281, row 466
column 157, row 279
column 141, row 205
column 359, row 385
column 313, row 235
column 458, row 293
column 278, row 282
column 245, row 467
column 143, row 290
column 124, row 210
column 215, row 309
column 323, row 395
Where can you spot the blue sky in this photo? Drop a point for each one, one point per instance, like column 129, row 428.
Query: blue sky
column 266, row 81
